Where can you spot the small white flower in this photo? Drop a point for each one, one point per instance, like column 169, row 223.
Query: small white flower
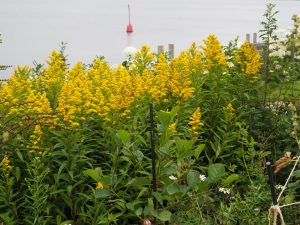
column 277, row 67
column 172, row 177
column 224, row 190
column 129, row 52
column 279, row 187
column 202, row 177
column 230, row 64
column 205, row 72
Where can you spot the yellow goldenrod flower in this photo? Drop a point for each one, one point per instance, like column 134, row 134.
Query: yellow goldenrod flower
column 195, row 122
column 249, row 59
column 229, row 107
column 213, row 52
column 35, row 138
column 172, row 127
column 230, row 110
column 6, row 164
column 99, row 185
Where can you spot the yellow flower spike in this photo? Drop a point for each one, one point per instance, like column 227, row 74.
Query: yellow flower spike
column 180, row 84
column 6, row 164
column 172, row 127
column 195, row 122
column 249, row 59
column 230, row 110
column 76, row 96
column 99, row 186
column 213, row 52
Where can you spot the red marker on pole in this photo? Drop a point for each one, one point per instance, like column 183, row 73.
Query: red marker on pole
column 129, row 26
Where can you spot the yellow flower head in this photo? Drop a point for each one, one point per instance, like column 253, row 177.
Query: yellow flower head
column 99, row 186
column 172, row 127
column 195, row 121
column 249, row 59
column 230, row 110
column 229, row 107
column 213, row 52
column 6, row 164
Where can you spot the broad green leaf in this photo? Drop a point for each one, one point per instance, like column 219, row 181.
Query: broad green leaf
column 203, row 186
column 230, row 179
column 109, row 180
column 216, row 171
column 139, row 155
column 165, row 215
column 139, row 211
column 297, row 173
column 123, row 135
column 165, row 119
column 173, row 188
column 187, row 144
column 149, row 210
column 193, row 179
column 92, row 173
column 158, row 196
column 102, row 193
column 198, row 150
column 130, row 206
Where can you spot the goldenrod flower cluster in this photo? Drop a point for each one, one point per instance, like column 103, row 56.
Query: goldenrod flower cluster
column 195, row 122
column 37, row 135
column 18, row 96
column 230, row 110
column 249, row 59
column 180, row 84
column 98, row 91
column 6, row 164
column 172, row 127
column 213, row 52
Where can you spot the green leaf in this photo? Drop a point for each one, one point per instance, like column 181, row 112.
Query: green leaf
column 198, row 150
column 158, row 196
column 216, row 171
column 17, row 173
column 92, row 173
column 139, row 181
column 297, row 173
column 230, row 179
column 149, row 210
column 165, row 215
column 139, row 155
column 193, row 179
column 173, row 188
column 123, row 135
column 165, row 119
column 203, row 186
column 102, row 193
column 109, row 180
column 139, row 211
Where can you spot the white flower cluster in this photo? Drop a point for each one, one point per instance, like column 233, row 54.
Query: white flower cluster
column 172, row 177
column 224, row 190
column 202, row 177
column 279, row 50
column 279, row 187
column 275, row 106
column 129, row 52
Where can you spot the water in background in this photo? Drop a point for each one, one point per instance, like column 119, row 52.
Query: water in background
column 32, row 29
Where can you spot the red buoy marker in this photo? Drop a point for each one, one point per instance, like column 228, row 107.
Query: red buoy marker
column 129, row 26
